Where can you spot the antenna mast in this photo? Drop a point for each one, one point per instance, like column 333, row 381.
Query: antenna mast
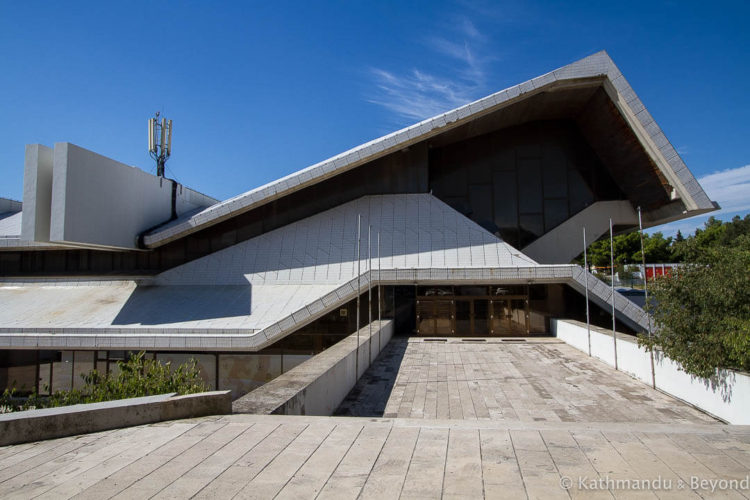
column 159, row 141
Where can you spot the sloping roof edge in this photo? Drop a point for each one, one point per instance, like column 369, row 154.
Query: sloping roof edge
column 596, row 65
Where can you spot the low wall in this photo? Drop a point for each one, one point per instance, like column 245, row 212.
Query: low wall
column 49, row 423
column 320, row 384
column 726, row 396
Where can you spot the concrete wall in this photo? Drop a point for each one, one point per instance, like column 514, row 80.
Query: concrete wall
column 565, row 242
column 727, row 396
column 90, row 192
column 37, row 193
column 320, row 384
column 97, row 201
column 35, row 425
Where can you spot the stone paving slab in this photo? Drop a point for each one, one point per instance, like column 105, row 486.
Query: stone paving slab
column 530, row 381
column 268, row 456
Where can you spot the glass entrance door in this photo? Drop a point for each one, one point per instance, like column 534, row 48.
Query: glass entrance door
column 472, row 310
column 509, row 317
column 481, row 317
column 434, row 316
column 463, row 317
column 501, row 317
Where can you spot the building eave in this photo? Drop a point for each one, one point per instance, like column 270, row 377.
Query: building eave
column 597, row 66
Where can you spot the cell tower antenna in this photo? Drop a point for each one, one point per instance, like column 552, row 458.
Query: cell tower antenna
column 159, row 141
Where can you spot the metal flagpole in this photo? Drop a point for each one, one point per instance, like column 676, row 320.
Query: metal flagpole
column 612, row 263
column 586, row 281
column 380, row 298
column 359, row 234
column 645, row 289
column 369, row 288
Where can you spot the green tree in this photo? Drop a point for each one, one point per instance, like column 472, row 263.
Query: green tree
column 702, row 310
column 627, row 249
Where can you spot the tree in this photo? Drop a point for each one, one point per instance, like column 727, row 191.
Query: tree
column 702, row 310
column 627, row 249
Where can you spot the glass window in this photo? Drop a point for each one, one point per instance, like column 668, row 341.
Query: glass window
column 555, row 213
column 241, row 373
column 532, row 226
column 21, row 370
column 506, row 202
column 83, row 364
column 294, row 360
column 62, row 372
column 529, row 185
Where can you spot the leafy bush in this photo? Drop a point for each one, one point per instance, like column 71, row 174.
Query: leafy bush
column 702, row 310
column 135, row 377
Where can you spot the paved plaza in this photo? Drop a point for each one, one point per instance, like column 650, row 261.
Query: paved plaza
column 464, row 420
column 539, row 379
column 252, row 456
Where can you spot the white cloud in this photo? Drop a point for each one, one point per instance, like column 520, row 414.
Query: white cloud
column 729, row 188
column 419, row 94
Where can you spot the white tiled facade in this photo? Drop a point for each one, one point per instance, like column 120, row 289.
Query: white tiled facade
column 247, row 296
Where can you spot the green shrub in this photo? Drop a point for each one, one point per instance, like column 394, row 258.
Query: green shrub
column 135, row 377
column 702, row 310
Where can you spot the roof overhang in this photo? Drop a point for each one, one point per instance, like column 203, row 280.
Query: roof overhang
column 597, row 70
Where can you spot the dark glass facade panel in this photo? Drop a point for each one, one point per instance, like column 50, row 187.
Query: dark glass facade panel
column 555, row 213
column 542, row 173
column 463, row 317
column 481, row 317
column 531, row 227
column 530, row 196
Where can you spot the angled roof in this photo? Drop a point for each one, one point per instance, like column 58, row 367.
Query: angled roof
column 254, row 293
column 259, row 284
column 416, row 231
column 596, row 66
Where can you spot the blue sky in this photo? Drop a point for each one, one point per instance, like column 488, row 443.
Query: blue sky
column 258, row 90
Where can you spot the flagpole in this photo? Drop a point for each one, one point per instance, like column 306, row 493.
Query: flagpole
column 359, row 288
column 645, row 289
column 380, row 299
column 612, row 264
column 369, row 290
column 586, row 281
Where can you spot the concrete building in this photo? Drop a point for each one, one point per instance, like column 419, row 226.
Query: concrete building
column 467, row 223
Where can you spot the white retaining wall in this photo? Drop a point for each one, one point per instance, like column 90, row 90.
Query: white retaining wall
column 726, row 397
column 50, row 423
column 320, row 384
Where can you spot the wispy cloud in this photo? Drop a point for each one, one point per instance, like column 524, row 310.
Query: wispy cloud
column 419, row 94
column 730, row 188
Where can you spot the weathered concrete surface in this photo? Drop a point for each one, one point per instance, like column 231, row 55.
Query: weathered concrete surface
column 88, row 191
column 48, row 423
column 37, row 193
column 535, row 380
column 266, row 456
column 317, row 386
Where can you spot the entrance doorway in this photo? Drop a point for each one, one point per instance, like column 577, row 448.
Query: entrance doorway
column 470, row 311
